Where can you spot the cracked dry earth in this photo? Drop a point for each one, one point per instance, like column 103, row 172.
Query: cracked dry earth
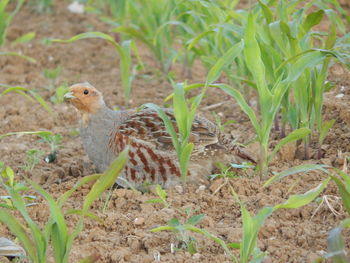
column 297, row 235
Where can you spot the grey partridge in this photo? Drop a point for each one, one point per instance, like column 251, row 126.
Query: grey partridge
column 152, row 157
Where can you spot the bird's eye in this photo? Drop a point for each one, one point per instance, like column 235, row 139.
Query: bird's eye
column 86, row 92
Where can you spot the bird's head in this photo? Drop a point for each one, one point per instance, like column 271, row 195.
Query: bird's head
column 85, row 97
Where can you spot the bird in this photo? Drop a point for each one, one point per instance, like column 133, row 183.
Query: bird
column 152, row 157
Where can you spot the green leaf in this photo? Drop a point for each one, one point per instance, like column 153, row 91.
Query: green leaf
column 296, row 201
column 345, row 195
column 168, row 124
column 327, row 125
column 160, row 192
column 212, row 237
column 293, row 136
column 30, row 59
column 59, row 226
column 242, row 103
column 224, row 61
column 253, row 60
column 313, row 19
column 87, row 179
column 24, row 133
column 306, row 60
column 163, row 228
column 294, row 170
column 20, row 232
column 24, row 38
column 336, row 246
column 108, row 178
column 152, row 201
column 123, row 51
column 193, row 220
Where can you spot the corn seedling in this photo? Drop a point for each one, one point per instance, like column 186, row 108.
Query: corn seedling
column 184, row 116
column 55, row 143
column 6, row 18
column 248, row 250
column 51, row 75
column 182, row 231
column 55, row 232
column 336, row 245
column 8, row 178
column 153, row 27
column 60, row 91
column 286, row 31
column 162, row 197
column 27, row 93
column 24, row 38
column 270, row 97
column 124, row 51
column 33, row 157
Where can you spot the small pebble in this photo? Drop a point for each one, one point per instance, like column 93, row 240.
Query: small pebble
column 340, row 95
column 179, row 189
column 139, row 221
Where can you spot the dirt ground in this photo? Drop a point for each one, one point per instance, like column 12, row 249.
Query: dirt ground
column 297, row 235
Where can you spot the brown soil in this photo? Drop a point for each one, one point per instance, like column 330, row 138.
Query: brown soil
column 297, row 235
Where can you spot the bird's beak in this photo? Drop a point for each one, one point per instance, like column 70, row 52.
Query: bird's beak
column 69, row 95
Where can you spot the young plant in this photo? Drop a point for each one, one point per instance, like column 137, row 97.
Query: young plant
column 55, row 143
column 251, row 225
column 60, row 91
column 51, row 75
column 182, row 231
column 124, row 51
column 8, row 178
column 270, row 98
column 152, row 24
column 27, row 93
column 55, row 233
column 162, row 197
column 33, row 158
column 6, row 18
column 336, row 245
column 184, row 115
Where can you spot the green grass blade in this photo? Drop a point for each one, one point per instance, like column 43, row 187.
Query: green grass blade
column 60, row 230
column 294, row 170
column 168, row 124
column 106, row 180
column 24, row 38
column 224, row 61
column 87, row 179
column 18, row 230
column 219, row 241
column 30, row 59
column 336, row 246
column 163, row 228
column 38, row 236
column 345, row 195
column 253, row 60
column 25, row 133
column 293, row 136
column 243, row 104
column 296, row 201
column 41, row 101
column 312, row 19
column 327, row 125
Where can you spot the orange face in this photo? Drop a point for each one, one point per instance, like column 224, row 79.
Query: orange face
column 85, row 97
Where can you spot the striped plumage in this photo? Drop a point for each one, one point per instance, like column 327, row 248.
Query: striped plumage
column 152, row 157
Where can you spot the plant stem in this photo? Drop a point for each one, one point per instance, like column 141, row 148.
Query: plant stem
column 263, row 161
